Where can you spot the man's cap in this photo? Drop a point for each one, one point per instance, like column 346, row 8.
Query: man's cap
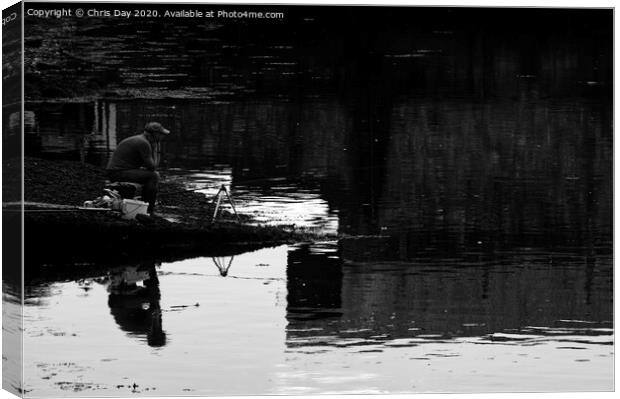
column 156, row 127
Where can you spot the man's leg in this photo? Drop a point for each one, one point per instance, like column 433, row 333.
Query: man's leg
column 148, row 179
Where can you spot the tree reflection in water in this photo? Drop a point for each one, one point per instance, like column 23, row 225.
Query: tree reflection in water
column 332, row 297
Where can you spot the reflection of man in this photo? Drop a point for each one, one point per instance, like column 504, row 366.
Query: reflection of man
column 136, row 159
column 136, row 308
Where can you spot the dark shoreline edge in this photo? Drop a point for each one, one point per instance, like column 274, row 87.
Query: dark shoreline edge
column 55, row 238
column 68, row 235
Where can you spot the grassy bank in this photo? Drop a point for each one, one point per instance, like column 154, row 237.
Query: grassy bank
column 56, row 231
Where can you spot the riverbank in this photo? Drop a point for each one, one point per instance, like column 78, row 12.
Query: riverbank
column 56, row 231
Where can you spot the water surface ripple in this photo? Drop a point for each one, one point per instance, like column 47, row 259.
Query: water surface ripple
column 303, row 319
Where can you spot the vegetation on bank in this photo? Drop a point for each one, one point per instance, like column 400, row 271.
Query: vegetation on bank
column 59, row 230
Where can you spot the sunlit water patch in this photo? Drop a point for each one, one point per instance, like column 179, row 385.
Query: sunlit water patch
column 297, row 319
column 12, row 358
column 276, row 201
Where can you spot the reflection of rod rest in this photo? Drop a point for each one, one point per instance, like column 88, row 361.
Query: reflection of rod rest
column 218, row 199
column 219, row 263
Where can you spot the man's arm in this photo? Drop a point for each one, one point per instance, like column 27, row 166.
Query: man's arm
column 147, row 156
column 156, row 154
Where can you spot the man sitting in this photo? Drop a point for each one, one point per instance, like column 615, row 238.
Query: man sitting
column 135, row 160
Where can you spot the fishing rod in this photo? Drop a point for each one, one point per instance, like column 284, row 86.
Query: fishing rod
column 206, row 187
column 189, row 190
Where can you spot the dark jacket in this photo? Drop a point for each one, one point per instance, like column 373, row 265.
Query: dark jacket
column 134, row 152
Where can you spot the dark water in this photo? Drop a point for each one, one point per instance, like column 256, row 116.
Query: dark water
column 461, row 167
column 438, row 128
column 364, row 53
